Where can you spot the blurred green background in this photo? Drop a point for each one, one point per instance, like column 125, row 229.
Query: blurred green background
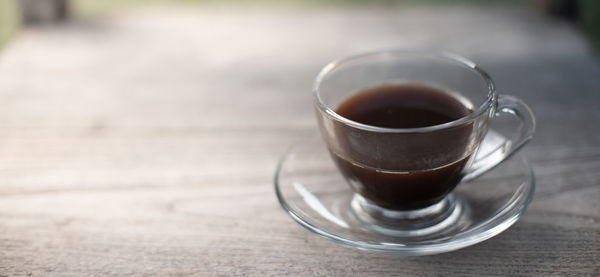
column 589, row 20
column 585, row 13
column 9, row 20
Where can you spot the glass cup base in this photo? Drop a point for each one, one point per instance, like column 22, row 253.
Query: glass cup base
column 315, row 194
column 421, row 222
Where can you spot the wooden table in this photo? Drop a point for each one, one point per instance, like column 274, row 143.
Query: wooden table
column 144, row 143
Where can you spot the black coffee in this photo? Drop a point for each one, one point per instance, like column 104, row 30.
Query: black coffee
column 402, row 106
column 381, row 178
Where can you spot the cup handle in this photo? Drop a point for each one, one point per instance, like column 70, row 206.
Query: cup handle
column 511, row 106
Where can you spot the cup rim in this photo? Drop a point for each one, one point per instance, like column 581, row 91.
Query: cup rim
column 492, row 95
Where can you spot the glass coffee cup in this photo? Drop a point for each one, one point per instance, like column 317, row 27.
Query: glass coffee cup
column 403, row 176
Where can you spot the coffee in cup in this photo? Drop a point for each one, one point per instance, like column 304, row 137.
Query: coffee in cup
column 405, row 127
column 404, row 106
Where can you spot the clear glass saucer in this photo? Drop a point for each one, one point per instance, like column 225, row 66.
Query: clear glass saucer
column 313, row 192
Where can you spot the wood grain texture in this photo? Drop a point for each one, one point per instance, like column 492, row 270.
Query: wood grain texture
column 145, row 143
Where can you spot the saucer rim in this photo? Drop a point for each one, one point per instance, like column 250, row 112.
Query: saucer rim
column 464, row 241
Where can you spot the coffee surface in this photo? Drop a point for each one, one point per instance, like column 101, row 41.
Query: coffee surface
column 403, row 106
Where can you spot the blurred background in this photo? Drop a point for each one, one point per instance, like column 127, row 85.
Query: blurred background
column 14, row 14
